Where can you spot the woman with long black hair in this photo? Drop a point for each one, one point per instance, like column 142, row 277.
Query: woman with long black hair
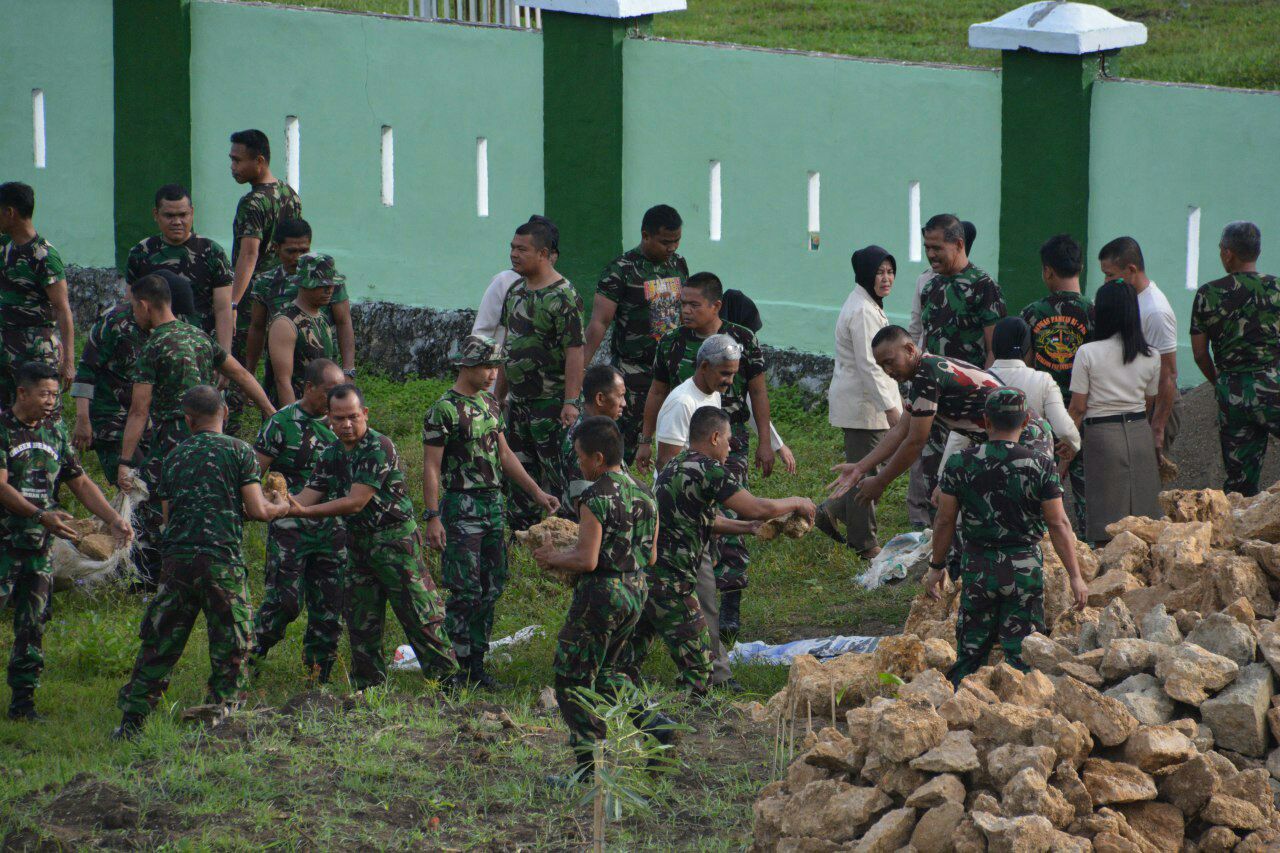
column 1114, row 380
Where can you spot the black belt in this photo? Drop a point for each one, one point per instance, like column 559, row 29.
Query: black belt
column 1117, row 419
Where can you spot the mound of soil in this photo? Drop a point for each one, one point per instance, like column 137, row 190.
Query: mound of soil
column 89, row 803
column 1197, row 451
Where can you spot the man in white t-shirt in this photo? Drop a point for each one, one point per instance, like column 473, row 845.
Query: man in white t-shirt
column 718, row 359
column 1122, row 258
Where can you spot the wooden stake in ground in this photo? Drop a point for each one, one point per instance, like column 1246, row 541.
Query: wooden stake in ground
column 833, row 704
column 598, row 817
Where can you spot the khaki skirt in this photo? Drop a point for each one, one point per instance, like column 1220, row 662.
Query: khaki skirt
column 1121, row 475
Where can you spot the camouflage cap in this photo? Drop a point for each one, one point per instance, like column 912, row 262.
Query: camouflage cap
column 316, row 270
column 1009, row 401
column 475, row 350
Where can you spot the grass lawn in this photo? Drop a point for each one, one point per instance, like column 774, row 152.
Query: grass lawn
column 1218, row 42
column 323, row 770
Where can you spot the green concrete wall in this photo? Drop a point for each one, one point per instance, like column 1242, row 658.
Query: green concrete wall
column 66, row 51
column 868, row 128
column 439, row 86
column 1159, row 149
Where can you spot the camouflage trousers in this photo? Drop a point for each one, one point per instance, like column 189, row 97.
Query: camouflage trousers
column 148, row 518
column 25, row 583
column 597, row 630
column 1248, row 412
column 473, row 566
column 232, row 395
column 730, row 552
column 931, row 460
column 1075, row 472
column 535, row 435
column 22, row 344
column 631, row 421
column 672, row 612
column 108, row 457
column 386, row 567
column 303, row 563
column 190, row 584
column 1001, row 600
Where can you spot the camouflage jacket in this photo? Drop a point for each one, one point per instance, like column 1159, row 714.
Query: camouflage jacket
column 176, row 357
column 629, row 519
column 38, row 459
column 258, row 213
column 676, row 358
column 648, row 300
column 1240, row 314
column 690, row 488
column 294, row 440
column 201, row 481
column 105, row 373
column 952, row 391
column 200, row 260
column 1059, row 323
column 315, row 339
column 541, row 325
column 1000, row 486
column 274, row 291
column 468, row 429
column 954, row 310
column 373, row 462
column 26, row 274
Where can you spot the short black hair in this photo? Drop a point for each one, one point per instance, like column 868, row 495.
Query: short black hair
column 290, row 229
column 543, row 232
column 1062, row 254
column 554, row 244
column 21, row 197
column 255, row 141
column 1243, row 239
column 345, row 390
column 315, row 370
column 708, row 283
column 599, row 379
column 1005, row 421
column 1123, row 252
column 706, row 420
column 949, row 224
column 171, row 192
column 660, row 216
column 890, row 334
column 598, row 434
column 33, row 372
column 970, row 235
column 153, row 289
column 202, row 401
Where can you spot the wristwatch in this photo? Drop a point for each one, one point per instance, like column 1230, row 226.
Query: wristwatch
column 428, row 514
column 349, row 373
column 937, row 567
column 36, row 518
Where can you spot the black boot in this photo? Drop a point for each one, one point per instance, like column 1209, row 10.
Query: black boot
column 730, row 604
column 584, row 770
column 22, row 707
column 478, row 676
column 657, row 725
column 130, row 726
column 461, row 678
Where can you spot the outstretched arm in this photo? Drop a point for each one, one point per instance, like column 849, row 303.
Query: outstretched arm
column 584, row 556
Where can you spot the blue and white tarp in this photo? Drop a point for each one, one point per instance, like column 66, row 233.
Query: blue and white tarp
column 820, row 647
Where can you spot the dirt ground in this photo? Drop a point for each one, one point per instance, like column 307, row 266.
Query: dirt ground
column 1197, row 451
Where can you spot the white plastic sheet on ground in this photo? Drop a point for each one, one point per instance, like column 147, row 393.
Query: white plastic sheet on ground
column 820, row 647
column 406, row 659
column 897, row 556
column 71, row 568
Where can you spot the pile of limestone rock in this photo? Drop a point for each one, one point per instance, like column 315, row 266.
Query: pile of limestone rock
column 1147, row 723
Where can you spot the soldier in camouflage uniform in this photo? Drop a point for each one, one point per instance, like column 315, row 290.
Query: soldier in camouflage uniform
column 360, row 478
column 604, row 394
column 104, row 384
column 690, row 489
column 209, row 484
column 176, row 357
column 639, row 295
column 542, row 378
column 302, row 332
column 306, row 560
column 253, row 248
column 1238, row 316
column 35, row 458
column 618, row 523
column 198, row 259
column 959, row 308
column 1060, row 323
column 35, row 314
column 464, row 458
column 675, row 360
column 274, row 291
column 1006, row 496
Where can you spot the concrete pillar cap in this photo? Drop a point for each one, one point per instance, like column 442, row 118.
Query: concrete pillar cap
column 609, row 8
column 1052, row 26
